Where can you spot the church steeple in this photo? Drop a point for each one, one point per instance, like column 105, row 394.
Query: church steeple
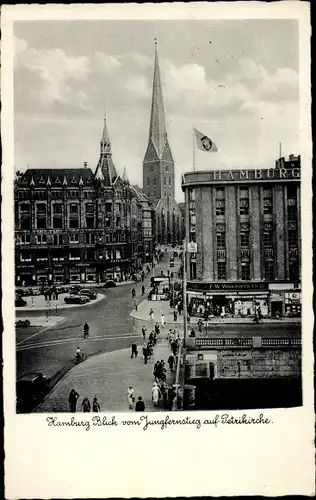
column 157, row 128
column 106, row 171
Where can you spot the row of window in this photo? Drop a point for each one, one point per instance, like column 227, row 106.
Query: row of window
column 90, row 255
column 61, row 239
column 166, row 181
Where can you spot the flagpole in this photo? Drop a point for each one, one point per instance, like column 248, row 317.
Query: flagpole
column 280, row 150
column 193, row 146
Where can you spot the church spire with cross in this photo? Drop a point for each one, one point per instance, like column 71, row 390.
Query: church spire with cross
column 158, row 164
column 106, row 171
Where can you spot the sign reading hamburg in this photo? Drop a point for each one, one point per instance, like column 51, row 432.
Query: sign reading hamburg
column 227, row 286
column 243, row 175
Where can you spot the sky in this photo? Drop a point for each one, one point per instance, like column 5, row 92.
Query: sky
column 234, row 80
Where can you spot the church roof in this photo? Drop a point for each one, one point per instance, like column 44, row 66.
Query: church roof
column 106, row 170
column 55, row 177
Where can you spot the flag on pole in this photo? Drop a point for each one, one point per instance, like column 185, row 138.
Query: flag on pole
column 204, row 142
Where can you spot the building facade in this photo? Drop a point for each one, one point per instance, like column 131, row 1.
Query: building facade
column 79, row 226
column 158, row 170
column 245, row 230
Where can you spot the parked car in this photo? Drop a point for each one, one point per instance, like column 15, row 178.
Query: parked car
column 19, row 302
column 30, row 388
column 88, row 293
column 76, row 299
column 109, row 284
column 35, row 291
column 62, row 289
column 19, row 292
column 22, row 323
column 75, row 289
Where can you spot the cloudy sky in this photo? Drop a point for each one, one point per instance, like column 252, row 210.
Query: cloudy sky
column 236, row 81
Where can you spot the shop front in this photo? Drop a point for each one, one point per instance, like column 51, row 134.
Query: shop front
column 160, row 288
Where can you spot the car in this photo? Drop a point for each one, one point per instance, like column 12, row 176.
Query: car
column 22, row 323
column 30, row 388
column 19, row 292
column 88, row 293
column 75, row 289
column 19, row 302
column 76, row 299
column 109, row 284
column 35, row 291
column 62, row 289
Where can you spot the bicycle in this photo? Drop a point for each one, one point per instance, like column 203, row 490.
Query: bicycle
column 80, row 357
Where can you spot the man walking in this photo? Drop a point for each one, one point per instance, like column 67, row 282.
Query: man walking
column 171, row 362
column 134, row 350
column 144, row 332
column 162, row 321
column 140, row 405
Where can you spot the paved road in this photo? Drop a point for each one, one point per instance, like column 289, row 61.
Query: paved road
column 111, row 328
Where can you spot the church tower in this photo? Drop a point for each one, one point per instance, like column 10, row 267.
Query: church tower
column 106, row 170
column 158, row 164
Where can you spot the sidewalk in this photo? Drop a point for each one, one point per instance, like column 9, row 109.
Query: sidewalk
column 108, row 376
column 38, row 303
column 162, row 307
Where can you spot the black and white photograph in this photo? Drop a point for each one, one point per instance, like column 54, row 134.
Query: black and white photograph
column 157, row 178
column 150, row 275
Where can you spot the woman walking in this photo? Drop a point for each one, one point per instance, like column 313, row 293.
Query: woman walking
column 155, row 394
column 73, row 398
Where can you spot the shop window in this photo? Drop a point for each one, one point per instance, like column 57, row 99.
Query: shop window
column 201, row 370
column 221, row 270
column 245, row 271
column 269, row 271
column 292, row 237
column 25, row 256
column 244, row 206
column 244, row 240
column 25, row 224
column 267, row 239
column 267, row 206
column 73, row 223
column 220, row 207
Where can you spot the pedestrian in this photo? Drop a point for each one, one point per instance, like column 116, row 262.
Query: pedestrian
column 143, row 290
column 144, row 332
column 73, row 398
column 155, row 394
column 95, row 405
column 164, row 393
column 130, row 397
column 171, row 362
column 175, row 315
column 157, row 329
column 140, row 405
column 151, row 337
column 200, row 324
column 151, row 315
column 50, row 294
column 171, row 396
column 133, row 293
column 135, row 305
column 134, row 350
column 85, row 405
column 162, row 321
column 56, row 295
column 145, row 353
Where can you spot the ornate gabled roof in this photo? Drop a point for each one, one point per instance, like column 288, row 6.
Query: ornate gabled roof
column 106, row 171
column 56, row 177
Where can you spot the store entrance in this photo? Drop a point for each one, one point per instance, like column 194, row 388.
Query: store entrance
column 276, row 308
column 219, row 302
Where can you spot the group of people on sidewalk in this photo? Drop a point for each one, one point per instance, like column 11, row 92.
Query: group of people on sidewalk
column 85, row 404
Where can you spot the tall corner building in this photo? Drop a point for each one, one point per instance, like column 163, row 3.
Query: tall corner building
column 246, row 228
column 158, row 170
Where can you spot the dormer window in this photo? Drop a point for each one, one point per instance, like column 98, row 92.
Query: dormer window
column 41, row 181
column 73, row 180
column 57, row 180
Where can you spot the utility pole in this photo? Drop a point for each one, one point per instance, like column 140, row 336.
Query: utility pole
column 185, row 319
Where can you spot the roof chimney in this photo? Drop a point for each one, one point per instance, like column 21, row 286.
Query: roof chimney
column 85, row 164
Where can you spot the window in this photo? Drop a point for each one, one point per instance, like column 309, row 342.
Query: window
column 292, row 237
column 220, row 193
column 293, row 270
column 57, row 223
column 41, row 239
column 221, row 270
column 73, row 208
column 191, row 194
column 90, row 255
column 73, row 223
column 220, row 207
column 118, row 254
column 244, row 192
column 292, row 193
column 201, row 370
column 267, row 193
column 74, row 255
column 245, row 271
column 267, row 206
column 89, row 208
column 25, row 256
column 165, row 181
column 167, row 168
column 220, row 240
column 267, row 239
column 58, row 239
column 41, row 222
column 148, row 181
column 41, row 208
column 269, row 271
column 244, row 239
column 108, row 221
column 90, row 238
column 108, row 207
column 244, row 206
column 74, row 238
column 25, row 208
column 90, row 222
column 57, row 208
column 169, row 181
column 25, row 224
column 25, row 239
column 291, row 212
column 193, row 270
